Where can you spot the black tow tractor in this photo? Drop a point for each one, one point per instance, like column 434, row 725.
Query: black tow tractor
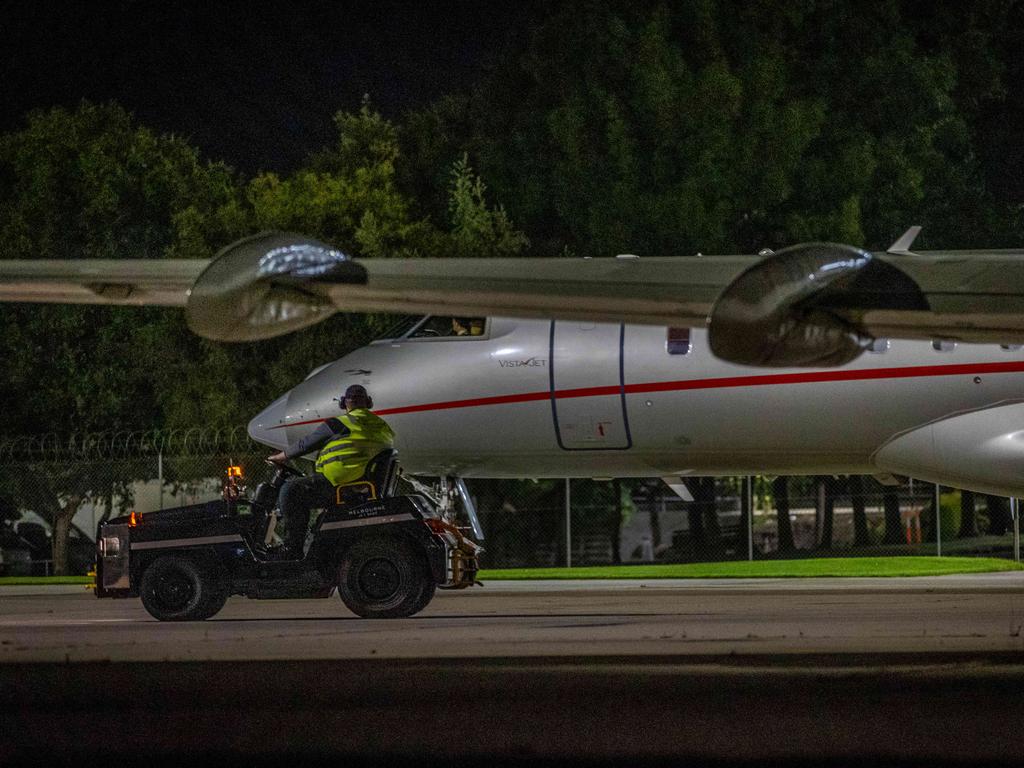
column 385, row 554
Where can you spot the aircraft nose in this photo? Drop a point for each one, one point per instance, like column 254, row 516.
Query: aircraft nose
column 267, row 426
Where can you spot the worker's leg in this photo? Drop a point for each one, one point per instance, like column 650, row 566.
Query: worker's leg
column 298, row 496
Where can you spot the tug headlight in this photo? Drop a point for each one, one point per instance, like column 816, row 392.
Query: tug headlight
column 110, row 546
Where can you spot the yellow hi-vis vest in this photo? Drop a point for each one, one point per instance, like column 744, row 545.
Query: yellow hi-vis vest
column 344, row 459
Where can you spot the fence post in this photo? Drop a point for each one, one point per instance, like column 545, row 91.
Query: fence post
column 160, row 475
column 568, row 525
column 938, row 523
column 1015, row 514
column 750, row 516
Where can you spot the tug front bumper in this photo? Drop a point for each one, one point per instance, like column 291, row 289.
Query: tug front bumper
column 461, row 555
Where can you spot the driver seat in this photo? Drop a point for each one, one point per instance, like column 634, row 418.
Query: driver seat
column 378, row 481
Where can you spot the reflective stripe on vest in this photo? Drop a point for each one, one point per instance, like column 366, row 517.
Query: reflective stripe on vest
column 344, row 459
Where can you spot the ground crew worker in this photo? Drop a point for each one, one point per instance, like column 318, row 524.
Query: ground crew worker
column 347, row 444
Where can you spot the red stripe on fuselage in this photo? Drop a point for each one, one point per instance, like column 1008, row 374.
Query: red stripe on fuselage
column 725, row 382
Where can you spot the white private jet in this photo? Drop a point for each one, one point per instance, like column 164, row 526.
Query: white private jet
column 602, row 367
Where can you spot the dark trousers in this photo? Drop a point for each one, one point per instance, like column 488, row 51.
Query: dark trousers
column 295, row 500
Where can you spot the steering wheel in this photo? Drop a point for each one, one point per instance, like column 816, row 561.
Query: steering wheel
column 286, row 469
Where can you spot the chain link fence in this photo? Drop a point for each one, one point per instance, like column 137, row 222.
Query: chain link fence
column 47, row 482
column 85, row 479
column 587, row 522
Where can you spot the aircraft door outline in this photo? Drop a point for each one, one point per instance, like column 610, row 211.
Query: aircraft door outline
column 597, row 421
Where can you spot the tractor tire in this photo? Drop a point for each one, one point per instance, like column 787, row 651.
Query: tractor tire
column 429, row 589
column 384, row 578
column 177, row 588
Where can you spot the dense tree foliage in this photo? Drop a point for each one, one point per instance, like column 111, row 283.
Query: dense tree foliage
column 720, row 126
column 90, row 184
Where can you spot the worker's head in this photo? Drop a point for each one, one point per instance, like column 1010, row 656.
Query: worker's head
column 356, row 396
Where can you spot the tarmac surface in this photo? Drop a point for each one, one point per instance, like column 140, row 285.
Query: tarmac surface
column 977, row 613
column 728, row 672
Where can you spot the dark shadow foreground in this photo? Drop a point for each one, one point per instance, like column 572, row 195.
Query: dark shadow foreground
column 921, row 709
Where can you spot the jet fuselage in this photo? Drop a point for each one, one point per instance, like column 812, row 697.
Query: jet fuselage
column 532, row 398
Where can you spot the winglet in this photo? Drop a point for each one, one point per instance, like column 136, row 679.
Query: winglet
column 906, row 240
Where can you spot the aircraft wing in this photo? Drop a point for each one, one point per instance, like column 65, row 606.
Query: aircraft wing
column 132, row 282
column 676, row 291
column 273, row 283
column 814, row 304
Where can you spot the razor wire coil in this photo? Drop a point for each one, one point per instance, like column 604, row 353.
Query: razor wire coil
column 98, row 446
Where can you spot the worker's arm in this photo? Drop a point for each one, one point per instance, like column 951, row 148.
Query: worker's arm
column 314, row 441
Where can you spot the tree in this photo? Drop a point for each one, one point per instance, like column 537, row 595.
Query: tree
column 522, row 518
column 707, row 539
column 893, row 521
column 695, row 520
column 827, row 495
column 667, row 129
column 999, row 519
column 350, row 196
column 746, row 511
column 968, row 518
column 861, row 537
column 615, row 519
column 92, row 184
column 477, row 229
column 780, row 490
column 624, row 142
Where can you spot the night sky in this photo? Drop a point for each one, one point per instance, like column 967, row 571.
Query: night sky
column 254, row 84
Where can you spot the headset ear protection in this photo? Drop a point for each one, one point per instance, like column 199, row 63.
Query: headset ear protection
column 341, row 402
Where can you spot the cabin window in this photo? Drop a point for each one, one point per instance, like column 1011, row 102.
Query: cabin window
column 1010, row 347
column 677, row 341
column 878, row 346
column 943, row 345
column 448, row 326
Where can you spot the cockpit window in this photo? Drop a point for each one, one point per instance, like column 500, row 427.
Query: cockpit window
column 442, row 326
column 401, row 328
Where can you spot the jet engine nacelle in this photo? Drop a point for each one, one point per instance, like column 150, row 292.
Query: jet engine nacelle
column 981, row 451
column 798, row 307
column 266, row 285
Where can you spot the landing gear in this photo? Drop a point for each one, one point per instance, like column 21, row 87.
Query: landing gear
column 448, row 495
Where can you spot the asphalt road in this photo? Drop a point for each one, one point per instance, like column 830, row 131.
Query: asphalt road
column 922, row 671
column 980, row 613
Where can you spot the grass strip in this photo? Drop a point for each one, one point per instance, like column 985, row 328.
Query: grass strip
column 759, row 569
column 774, row 569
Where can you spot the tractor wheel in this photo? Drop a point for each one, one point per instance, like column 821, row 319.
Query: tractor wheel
column 177, row 588
column 384, row 578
